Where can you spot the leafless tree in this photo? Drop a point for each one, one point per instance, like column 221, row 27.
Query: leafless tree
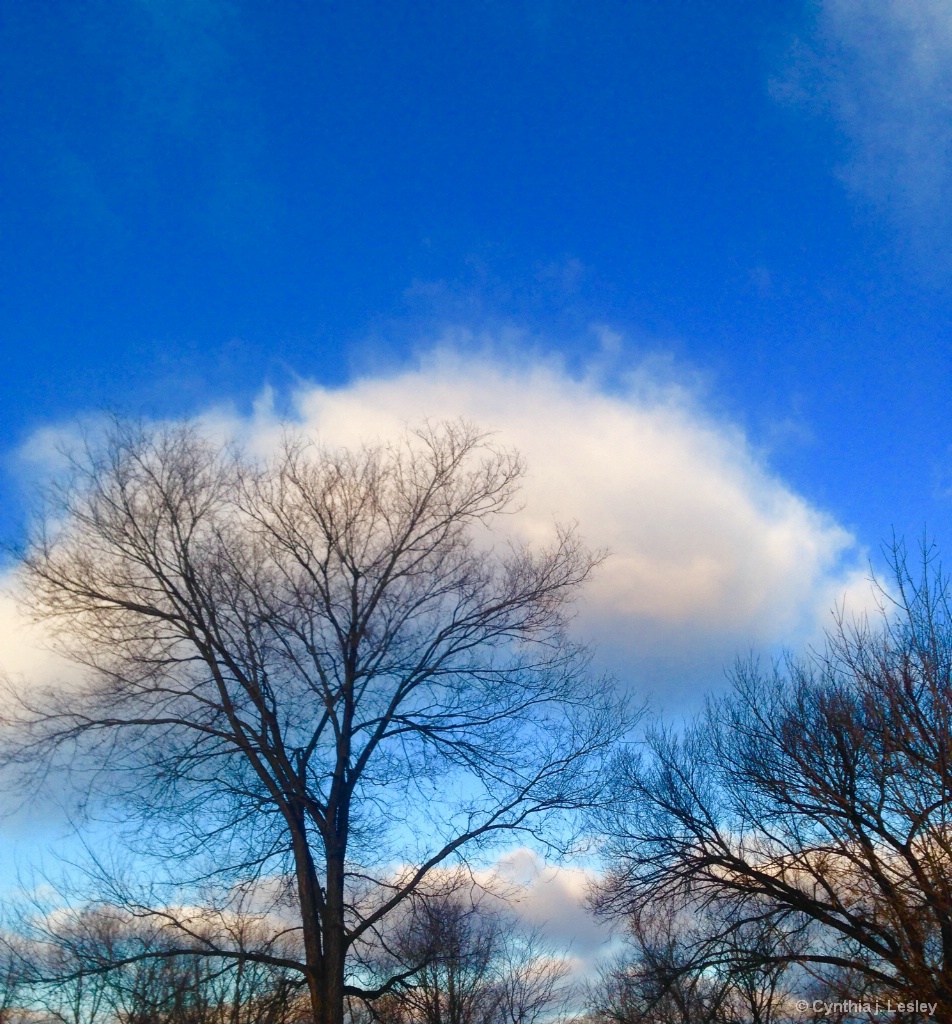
column 55, row 957
column 15, row 978
column 679, row 968
column 817, row 798
column 477, row 965
column 102, row 965
column 309, row 668
column 199, row 990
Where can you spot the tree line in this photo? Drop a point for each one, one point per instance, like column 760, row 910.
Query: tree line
column 315, row 688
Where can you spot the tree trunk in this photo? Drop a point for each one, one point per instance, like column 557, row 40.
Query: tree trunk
column 313, row 912
column 334, row 940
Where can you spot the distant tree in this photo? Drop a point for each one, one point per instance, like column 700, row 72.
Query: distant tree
column 311, row 667
column 474, row 965
column 15, row 977
column 817, row 799
column 101, row 965
column 678, row 968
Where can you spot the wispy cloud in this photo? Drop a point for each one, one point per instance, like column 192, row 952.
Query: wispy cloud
column 883, row 71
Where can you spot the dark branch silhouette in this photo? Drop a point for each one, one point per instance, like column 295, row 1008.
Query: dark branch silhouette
column 303, row 670
column 817, row 799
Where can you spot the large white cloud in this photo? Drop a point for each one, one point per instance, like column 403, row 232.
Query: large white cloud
column 709, row 552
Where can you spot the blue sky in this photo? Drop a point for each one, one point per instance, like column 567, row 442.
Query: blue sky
column 746, row 203
column 694, row 258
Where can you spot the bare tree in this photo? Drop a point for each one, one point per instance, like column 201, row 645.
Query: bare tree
column 655, row 980
column 312, row 668
column 474, row 965
column 15, row 976
column 818, row 799
column 679, row 968
column 57, row 954
column 102, row 965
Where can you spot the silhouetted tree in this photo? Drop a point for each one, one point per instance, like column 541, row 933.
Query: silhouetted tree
column 473, row 963
column 679, row 968
column 816, row 798
column 101, row 965
column 310, row 667
column 16, row 973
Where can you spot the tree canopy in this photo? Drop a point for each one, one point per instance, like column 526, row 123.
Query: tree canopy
column 293, row 662
column 815, row 800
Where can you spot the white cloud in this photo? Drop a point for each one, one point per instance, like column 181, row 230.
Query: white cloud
column 709, row 551
column 551, row 899
column 547, row 901
column 884, row 72
column 25, row 654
